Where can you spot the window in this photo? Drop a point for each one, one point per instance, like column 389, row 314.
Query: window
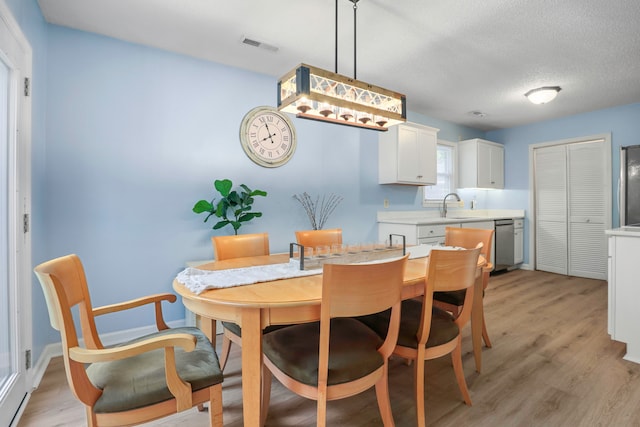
column 446, row 175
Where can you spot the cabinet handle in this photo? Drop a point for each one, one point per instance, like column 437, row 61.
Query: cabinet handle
column 419, row 176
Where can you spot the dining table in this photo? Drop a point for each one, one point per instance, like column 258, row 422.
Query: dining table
column 287, row 301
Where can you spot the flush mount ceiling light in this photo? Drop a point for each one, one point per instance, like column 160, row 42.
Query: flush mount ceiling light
column 542, row 95
column 313, row 93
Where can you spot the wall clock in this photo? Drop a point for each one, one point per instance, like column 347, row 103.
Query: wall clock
column 268, row 137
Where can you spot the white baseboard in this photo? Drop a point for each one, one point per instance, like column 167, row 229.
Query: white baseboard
column 38, row 370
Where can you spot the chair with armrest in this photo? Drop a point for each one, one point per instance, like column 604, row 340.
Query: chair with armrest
column 467, row 238
column 427, row 332
column 134, row 382
column 339, row 356
column 238, row 246
column 315, row 238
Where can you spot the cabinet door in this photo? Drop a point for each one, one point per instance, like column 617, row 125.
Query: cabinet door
column 484, row 166
column 480, row 164
column 497, row 167
column 416, row 156
column 518, row 245
column 490, row 166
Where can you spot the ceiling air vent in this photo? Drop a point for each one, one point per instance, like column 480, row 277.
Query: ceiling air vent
column 258, row 44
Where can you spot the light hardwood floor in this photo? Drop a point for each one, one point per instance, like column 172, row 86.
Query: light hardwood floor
column 552, row 364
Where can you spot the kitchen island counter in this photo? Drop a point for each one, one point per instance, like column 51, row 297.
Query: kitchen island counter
column 624, row 290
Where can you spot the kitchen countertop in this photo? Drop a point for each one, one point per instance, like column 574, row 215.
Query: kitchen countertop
column 624, row 231
column 454, row 216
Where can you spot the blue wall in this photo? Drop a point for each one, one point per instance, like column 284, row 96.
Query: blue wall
column 134, row 136
column 622, row 122
column 127, row 138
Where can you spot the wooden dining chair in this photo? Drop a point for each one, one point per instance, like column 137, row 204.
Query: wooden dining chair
column 238, row 246
column 315, row 238
column 241, row 245
column 427, row 332
column 467, row 238
column 134, row 382
column 339, row 356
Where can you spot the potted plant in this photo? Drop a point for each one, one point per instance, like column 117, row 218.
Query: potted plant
column 234, row 208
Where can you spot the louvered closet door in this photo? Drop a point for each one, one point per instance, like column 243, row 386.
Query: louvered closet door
column 587, row 209
column 551, row 209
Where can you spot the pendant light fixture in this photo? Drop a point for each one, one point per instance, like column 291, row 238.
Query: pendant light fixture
column 313, row 93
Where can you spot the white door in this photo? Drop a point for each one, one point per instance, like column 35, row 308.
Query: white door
column 15, row 249
column 587, row 211
column 550, row 165
column 572, row 207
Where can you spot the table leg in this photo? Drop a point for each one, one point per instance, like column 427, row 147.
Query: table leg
column 251, row 366
column 476, row 322
column 208, row 327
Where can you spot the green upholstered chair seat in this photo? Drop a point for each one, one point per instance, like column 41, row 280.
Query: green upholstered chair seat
column 451, row 297
column 352, row 351
column 443, row 328
column 233, row 327
column 139, row 381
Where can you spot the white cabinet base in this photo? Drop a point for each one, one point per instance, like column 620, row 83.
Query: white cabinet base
column 624, row 292
column 633, row 352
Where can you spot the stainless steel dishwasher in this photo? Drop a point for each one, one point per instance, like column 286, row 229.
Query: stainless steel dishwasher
column 504, row 244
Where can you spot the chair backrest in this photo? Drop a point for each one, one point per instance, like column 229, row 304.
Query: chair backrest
column 65, row 286
column 314, row 238
column 240, row 246
column 468, row 238
column 449, row 270
column 351, row 290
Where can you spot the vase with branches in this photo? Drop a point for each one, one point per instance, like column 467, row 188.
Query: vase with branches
column 319, row 209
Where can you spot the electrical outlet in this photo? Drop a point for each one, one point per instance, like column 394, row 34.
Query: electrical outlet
column 386, row 203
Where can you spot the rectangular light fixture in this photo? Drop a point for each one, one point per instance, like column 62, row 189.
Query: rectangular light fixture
column 313, row 93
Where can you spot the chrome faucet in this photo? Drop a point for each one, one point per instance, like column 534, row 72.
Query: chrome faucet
column 444, row 204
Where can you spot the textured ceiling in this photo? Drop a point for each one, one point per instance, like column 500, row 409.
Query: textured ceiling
column 450, row 57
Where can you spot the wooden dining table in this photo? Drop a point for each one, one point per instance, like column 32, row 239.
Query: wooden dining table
column 287, row 301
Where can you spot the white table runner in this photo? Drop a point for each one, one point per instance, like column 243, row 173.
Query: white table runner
column 197, row 281
column 421, row 251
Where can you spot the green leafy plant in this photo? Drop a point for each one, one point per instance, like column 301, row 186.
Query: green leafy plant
column 234, row 208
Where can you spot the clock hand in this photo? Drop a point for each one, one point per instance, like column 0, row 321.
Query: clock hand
column 270, row 134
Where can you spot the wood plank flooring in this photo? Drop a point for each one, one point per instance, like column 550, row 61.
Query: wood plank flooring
column 552, row 364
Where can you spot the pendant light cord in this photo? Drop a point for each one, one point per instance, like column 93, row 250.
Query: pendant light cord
column 336, row 67
column 355, row 44
column 355, row 9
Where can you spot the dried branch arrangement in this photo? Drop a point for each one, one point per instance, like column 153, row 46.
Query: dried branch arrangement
column 319, row 210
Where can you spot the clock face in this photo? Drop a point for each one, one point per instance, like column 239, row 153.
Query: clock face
column 268, row 137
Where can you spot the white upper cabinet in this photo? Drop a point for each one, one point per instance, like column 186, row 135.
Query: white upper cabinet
column 407, row 155
column 480, row 164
